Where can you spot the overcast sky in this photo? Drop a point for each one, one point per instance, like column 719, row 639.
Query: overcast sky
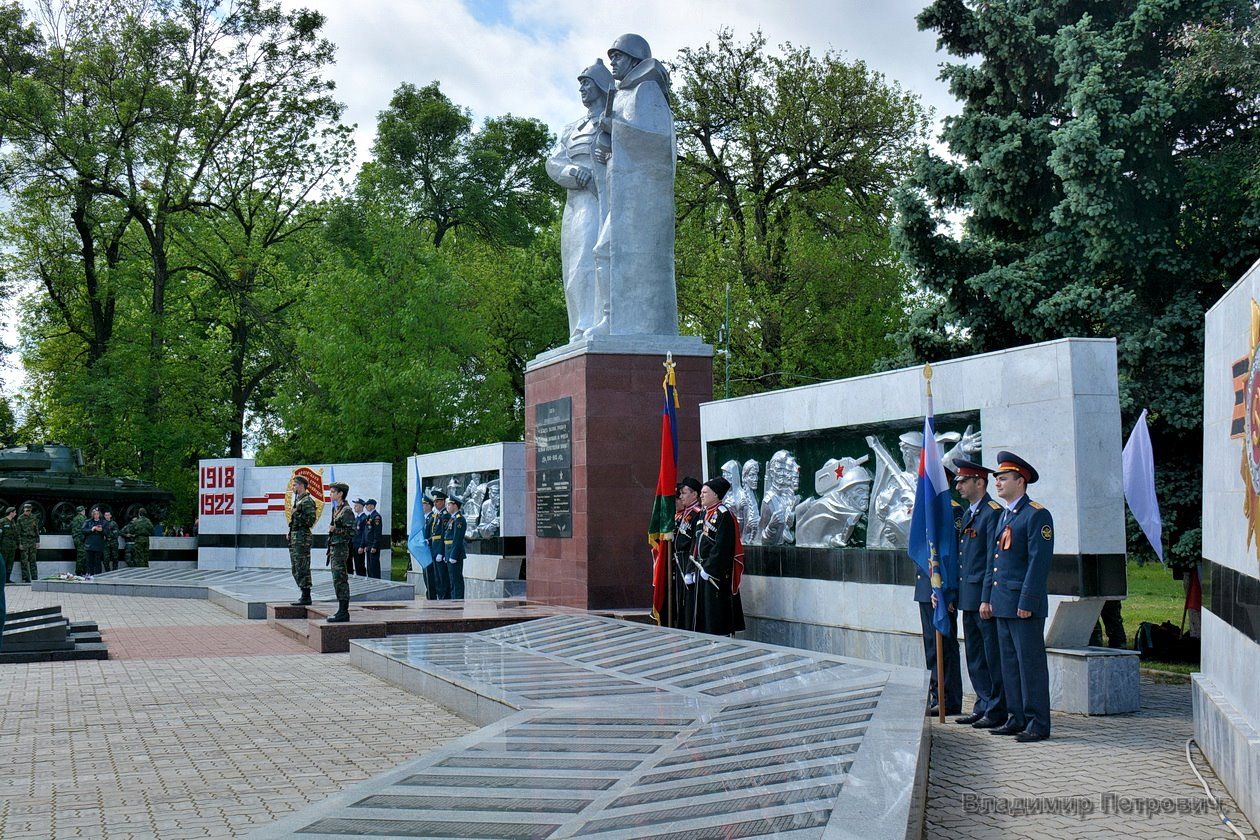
column 522, row 56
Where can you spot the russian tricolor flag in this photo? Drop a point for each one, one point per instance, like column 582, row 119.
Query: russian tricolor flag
column 933, row 538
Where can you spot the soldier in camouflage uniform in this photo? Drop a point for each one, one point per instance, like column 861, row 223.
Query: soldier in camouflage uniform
column 341, row 531
column 9, row 541
column 111, row 541
column 301, row 520
column 139, row 529
column 28, row 537
column 76, row 534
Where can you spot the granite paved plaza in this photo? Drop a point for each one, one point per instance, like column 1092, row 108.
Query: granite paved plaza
column 173, row 744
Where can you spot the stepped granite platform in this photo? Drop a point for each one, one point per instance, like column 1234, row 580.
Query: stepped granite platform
column 245, row 592
column 606, row 728
column 376, row 621
column 45, row 635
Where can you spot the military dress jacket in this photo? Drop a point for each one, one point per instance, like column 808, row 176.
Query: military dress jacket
column 453, row 539
column 360, row 526
column 303, row 517
column 437, row 533
column 685, row 524
column 976, row 537
column 923, row 582
column 1022, row 549
column 372, row 531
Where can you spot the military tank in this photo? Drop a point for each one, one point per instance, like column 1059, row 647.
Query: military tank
column 50, row 477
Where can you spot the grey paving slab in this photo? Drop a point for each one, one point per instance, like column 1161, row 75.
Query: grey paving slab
column 599, row 727
column 245, row 592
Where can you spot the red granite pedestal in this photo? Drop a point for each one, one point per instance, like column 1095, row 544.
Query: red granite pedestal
column 616, row 444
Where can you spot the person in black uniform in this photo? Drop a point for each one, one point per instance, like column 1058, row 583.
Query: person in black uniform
column 453, row 539
column 358, row 564
column 717, row 607
column 686, row 517
column 441, row 570
column 430, row 571
column 976, row 538
column 953, row 667
column 372, row 540
column 1015, row 594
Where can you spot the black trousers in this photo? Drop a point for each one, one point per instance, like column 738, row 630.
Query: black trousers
column 95, row 559
column 373, row 562
column 953, row 666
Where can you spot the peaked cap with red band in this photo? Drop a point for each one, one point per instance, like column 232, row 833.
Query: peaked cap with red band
column 1010, row 462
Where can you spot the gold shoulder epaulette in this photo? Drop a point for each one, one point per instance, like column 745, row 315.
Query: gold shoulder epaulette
column 1036, row 505
column 954, row 503
column 994, row 505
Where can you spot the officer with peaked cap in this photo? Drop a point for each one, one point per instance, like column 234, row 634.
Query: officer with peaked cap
column 1014, row 594
column 977, row 533
column 453, row 545
column 437, row 546
column 372, row 540
column 358, row 562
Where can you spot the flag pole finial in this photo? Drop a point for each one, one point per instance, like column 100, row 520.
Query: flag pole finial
column 927, row 375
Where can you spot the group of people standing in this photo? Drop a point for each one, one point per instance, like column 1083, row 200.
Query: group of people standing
column 445, row 528
column 343, row 530
column 1005, row 547
column 19, row 542
column 707, row 561
column 99, row 541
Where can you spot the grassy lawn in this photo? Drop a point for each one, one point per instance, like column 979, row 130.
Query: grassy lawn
column 1155, row 597
column 400, row 560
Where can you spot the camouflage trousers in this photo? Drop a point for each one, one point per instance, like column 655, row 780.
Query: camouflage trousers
column 140, row 553
column 300, row 559
column 80, row 557
column 339, row 557
column 29, row 550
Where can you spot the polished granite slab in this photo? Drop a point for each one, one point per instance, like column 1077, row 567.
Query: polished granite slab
column 601, row 727
column 245, row 592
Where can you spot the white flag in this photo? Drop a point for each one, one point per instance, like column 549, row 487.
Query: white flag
column 1139, row 484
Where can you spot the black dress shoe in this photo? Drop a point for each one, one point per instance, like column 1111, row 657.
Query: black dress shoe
column 986, row 723
column 969, row 719
column 1007, row 729
column 1025, row 737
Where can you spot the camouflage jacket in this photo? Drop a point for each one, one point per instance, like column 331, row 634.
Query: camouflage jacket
column 303, row 517
column 76, row 528
column 28, row 527
column 139, row 529
column 8, row 537
column 343, row 526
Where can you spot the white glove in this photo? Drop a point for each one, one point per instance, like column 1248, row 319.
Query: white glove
column 439, row 558
column 451, row 560
column 705, row 575
column 689, row 579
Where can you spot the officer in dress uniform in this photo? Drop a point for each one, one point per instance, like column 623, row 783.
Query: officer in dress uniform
column 714, row 556
column 437, row 546
column 686, row 518
column 953, row 667
column 1015, row 595
column 430, row 571
column 976, row 538
column 453, row 544
column 358, row 560
column 372, row 540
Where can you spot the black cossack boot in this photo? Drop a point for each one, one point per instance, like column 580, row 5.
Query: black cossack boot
column 342, row 614
column 305, row 600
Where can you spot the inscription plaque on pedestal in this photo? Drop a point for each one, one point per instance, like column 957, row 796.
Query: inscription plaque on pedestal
column 553, row 462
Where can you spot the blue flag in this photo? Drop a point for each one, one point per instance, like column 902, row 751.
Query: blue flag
column 417, row 541
column 933, row 537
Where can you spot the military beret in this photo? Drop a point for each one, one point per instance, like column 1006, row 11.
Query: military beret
column 1010, row 462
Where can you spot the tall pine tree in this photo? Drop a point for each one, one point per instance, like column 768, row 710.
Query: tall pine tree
column 1100, row 182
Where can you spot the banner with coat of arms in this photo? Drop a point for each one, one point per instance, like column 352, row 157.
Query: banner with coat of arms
column 1245, row 424
column 314, row 485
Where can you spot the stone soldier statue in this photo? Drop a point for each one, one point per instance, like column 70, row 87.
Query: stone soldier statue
column 474, row 494
column 141, row 530
column 490, row 522
column 76, row 535
column 453, row 546
column 778, row 508
column 28, row 537
column 750, row 515
column 634, row 255
column 892, row 497
column 843, row 486
column 341, row 529
column 1014, row 594
column 373, row 526
column 572, row 165
column 301, row 520
column 9, row 542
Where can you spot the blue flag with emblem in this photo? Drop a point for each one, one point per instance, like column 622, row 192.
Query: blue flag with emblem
column 933, row 538
column 418, row 540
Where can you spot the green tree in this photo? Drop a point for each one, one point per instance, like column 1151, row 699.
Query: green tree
column 1101, row 187
column 787, row 162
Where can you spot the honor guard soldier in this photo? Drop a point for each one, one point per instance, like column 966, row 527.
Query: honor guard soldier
column 301, row 519
column 372, row 539
column 953, row 668
column 437, row 547
column 715, row 554
column 1015, row 595
column 976, row 538
column 686, row 519
column 430, row 571
column 28, row 536
column 139, row 529
column 9, row 542
column 358, row 558
column 453, row 540
column 76, row 536
column 341, row 528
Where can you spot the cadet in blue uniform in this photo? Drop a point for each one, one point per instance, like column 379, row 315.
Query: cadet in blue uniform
column 1015, row 594
column 976, row 537
column 372, row 540
column 441, row 571
column 453, row 540
column 357, row 559
column 953, row 667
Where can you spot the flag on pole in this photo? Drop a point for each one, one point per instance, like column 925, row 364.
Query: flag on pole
column 661, row 530
column 418, row 542
column 1139, row 484
column 933, row 540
